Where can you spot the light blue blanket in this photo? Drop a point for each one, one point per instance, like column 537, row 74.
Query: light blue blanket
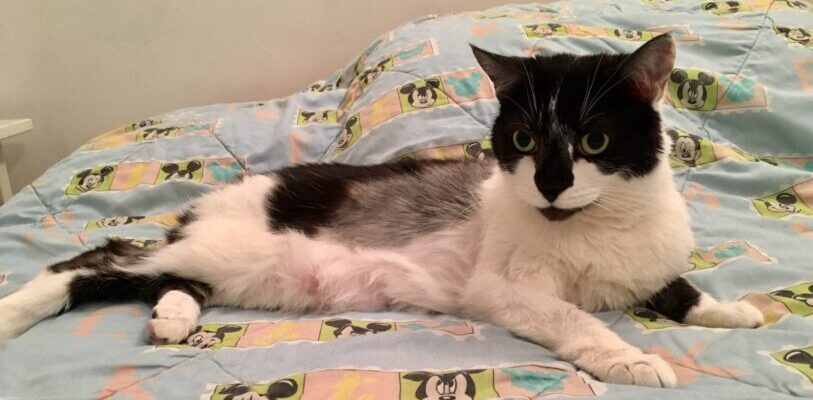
column 743, row 161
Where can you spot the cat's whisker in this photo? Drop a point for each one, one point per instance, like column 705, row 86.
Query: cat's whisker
column 600, row 91
column 616, row 196
column 520, row 107
column 590, row 88
column 624, row 190
column 602, row 94
column 609, row 79
column 592, row 117
column 633, row 195
column 584, row 99
column 630, row 192
column 598, row 204
column 625, row 203
column 530, row 93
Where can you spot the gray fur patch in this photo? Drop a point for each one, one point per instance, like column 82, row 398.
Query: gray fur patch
column 393, row 211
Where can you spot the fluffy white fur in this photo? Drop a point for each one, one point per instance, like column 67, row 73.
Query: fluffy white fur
column 611, row 255
column 507, row 265
column 174, row 317
column 42, row 297
column 710, row 312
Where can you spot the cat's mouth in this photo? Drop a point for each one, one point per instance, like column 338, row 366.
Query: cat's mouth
column 559, row 214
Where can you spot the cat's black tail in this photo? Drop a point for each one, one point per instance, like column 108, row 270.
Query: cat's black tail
column 99, row 275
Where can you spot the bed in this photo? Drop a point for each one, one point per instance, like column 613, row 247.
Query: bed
column 743, row 158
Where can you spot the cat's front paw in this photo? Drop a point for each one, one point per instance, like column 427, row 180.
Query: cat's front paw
column 735, row 314
column 632, row 367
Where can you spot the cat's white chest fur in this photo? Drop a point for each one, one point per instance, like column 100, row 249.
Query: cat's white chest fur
column 597, row 259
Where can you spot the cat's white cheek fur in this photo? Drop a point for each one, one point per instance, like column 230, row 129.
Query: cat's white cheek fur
column 588, row 182
column 522, row 183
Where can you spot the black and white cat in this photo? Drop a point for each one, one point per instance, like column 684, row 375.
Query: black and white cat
column 577, row 212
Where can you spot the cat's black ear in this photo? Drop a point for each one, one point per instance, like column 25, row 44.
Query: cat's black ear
column 649, row 67
column 504, row 71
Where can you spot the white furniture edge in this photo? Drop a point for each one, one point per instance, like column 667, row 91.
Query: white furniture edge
column 9, row 128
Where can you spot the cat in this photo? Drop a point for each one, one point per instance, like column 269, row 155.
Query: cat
column 575, row 212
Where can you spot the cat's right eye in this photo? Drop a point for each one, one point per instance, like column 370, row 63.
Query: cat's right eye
column 524, row 142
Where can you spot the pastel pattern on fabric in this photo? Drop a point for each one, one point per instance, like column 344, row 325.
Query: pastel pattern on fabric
column 743, row 159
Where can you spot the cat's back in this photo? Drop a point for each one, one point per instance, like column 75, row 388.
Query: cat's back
column 386, row 205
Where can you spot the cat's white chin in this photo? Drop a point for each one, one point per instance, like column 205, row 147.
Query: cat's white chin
column 576, row 201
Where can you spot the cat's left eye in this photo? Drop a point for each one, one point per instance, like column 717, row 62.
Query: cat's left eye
column 524, row 142
column 594, row 143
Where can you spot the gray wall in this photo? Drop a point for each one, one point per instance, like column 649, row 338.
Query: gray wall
column 81, row 67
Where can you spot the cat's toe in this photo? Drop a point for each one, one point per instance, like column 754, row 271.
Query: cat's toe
column 636, row 368
column 169, row 330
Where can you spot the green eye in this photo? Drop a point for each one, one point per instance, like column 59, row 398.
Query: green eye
column 524, row 142
column 594, row 143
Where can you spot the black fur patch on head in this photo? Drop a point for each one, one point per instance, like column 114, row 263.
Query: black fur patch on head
column 306, row 197
column 675, row 300
column 559, row 99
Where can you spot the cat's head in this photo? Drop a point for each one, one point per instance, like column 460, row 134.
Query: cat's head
column 578, row 131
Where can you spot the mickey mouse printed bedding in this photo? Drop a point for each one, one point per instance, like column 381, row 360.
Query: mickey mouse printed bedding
column 739, row 107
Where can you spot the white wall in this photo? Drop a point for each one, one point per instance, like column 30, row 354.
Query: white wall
column 81, row 67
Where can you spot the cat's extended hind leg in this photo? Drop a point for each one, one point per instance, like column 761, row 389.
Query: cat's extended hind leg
column 45, row 295
column 177, row 300
column 681, row 302
column 60, row 287
column 110, row 273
